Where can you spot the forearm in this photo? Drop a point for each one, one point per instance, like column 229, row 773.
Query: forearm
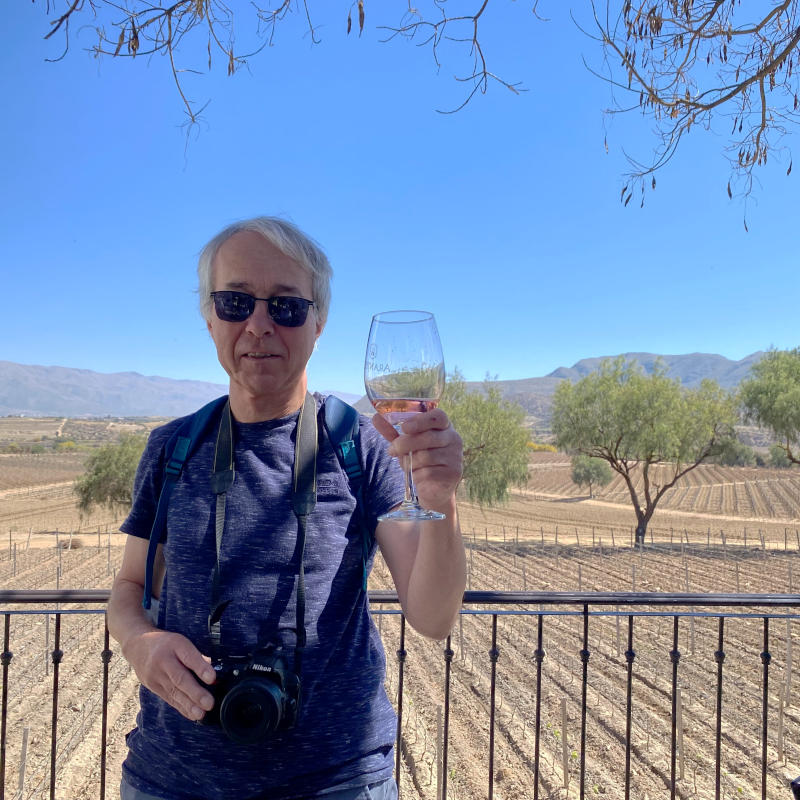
column 438, row 576
column 127, row 619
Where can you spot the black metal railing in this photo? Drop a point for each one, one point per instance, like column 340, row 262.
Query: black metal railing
column 539, row 614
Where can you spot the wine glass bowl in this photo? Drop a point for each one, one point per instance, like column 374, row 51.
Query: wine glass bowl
column 404, row 375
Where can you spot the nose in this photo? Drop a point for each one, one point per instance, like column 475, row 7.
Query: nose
column 260, row 323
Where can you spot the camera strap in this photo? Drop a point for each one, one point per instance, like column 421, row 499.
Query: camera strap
column 304, row 498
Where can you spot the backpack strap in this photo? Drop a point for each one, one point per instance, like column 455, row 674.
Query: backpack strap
column 177, row 451
column 342, row 426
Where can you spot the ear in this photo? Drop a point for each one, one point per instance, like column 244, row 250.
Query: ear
column 320, row 326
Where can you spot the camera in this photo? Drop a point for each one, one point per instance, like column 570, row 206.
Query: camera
column 254, row 695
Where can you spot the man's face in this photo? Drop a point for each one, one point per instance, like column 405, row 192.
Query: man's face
column 265, row 361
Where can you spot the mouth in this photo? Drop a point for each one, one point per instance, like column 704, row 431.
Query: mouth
column 260, row 356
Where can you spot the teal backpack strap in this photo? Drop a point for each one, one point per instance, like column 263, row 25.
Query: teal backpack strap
column 177, row 450
column 341, row 424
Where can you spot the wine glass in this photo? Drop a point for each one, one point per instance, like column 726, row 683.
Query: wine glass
column 404, row 375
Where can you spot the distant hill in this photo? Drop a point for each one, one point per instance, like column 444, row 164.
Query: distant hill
column 66, row 392
column 690, row 369
column 535, row 395
column 62, row 391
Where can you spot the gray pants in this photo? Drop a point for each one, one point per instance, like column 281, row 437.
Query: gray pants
column 384, row 790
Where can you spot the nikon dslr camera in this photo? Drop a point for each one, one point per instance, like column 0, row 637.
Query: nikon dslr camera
column 254, row 695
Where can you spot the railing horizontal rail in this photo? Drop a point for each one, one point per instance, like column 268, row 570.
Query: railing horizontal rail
column 47, row 596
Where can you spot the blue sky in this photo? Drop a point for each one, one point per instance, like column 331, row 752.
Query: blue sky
column 503, row 219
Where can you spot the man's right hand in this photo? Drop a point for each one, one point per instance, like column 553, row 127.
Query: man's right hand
column 167, row 663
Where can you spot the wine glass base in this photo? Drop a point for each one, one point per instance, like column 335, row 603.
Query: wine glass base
column 412, row 513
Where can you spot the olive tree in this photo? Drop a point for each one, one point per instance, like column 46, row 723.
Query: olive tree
column 634, row 421
column 771, row 398
column 494, row 436
column 108, row 477
column 590, row 472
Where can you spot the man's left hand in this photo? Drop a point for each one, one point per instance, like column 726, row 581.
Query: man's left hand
column 437, row 454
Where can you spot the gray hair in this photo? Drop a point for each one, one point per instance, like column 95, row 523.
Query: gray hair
column 290, row 240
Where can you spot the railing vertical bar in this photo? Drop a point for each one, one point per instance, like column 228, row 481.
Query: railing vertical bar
column 766, row 657
column 106, row 657
column 401, row 660
column 675, row 657
column 57, row 656
column 494, row 654
column 719, row 656
column 6, row 660
column 630, row 655
column 584, row 684
column 448, row 660
column 537, row 734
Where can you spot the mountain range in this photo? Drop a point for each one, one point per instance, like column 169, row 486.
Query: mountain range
column 31, row 390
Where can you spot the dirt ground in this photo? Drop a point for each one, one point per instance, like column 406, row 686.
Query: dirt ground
column 540, row 540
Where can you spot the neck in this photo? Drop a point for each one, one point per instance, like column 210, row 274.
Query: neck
column 247, row 407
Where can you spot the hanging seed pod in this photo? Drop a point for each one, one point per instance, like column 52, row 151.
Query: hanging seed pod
column 120, row 41
column 133, row 40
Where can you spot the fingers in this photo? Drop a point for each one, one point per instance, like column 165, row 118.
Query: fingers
column 429, row 420
column 169, row 665
column 384, row 427
column 437, row 454
column 429, row 431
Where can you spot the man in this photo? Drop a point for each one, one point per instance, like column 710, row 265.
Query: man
column 233, row 585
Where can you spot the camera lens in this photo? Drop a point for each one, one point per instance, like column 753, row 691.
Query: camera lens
column 250, row 710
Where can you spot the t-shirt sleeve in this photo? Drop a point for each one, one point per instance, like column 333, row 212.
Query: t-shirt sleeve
column 384, row 485
column 147, row 485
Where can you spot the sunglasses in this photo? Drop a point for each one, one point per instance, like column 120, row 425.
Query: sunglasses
column 290, row 312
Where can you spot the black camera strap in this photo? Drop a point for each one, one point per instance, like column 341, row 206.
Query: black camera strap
column 304, row 498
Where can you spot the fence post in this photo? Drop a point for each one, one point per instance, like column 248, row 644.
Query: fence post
column 439, row 751
column 22, row 759
column 781, row 705
column 564, row 745
column 679, row 720
column 788, row 691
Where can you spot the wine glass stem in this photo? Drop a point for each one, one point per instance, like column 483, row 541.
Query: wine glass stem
column 411, row 492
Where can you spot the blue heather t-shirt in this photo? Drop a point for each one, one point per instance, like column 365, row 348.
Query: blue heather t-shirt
column 346, row 726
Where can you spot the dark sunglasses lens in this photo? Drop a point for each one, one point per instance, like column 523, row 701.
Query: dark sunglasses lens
column 291, row 312
column 233, row 306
